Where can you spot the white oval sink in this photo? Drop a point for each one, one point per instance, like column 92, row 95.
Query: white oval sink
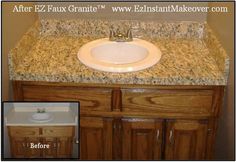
column 111, row 56
column 41, row 117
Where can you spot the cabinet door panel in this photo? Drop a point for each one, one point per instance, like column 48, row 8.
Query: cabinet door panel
column 18, row 147
column 96, row 138
column 52, row 150
column 64, row 147
column 142, row 139
column 33, row 152
column 186, row 140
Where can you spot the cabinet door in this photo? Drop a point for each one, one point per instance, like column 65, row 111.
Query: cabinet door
column 18, row 147
column 142, row 139
column 64, row 147
column 95, row 138
column 50, row 152
column 33, row 152
column 186, row 140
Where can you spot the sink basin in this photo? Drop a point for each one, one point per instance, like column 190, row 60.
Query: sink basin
column 41, row 117
column 111, row 56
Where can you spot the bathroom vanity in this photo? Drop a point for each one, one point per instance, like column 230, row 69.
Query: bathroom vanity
column 166, row 112
column 137, row 122
column 52, row 142
column 31, row 138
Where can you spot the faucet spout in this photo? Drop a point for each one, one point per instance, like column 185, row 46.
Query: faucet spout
column 120, row 37
column 112, row 35
column 129, row 35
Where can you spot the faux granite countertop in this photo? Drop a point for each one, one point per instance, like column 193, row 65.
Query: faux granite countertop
column 53, row 58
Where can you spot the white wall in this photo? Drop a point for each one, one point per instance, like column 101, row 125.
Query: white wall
column 7, row 107
column 40, row 104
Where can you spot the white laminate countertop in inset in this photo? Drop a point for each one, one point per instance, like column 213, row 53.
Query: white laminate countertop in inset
column 22, row 118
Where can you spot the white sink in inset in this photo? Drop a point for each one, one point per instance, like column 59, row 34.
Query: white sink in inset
column 41, row 117
column 111, row 56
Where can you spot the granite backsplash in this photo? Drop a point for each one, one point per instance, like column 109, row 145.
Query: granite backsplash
column 140, row 29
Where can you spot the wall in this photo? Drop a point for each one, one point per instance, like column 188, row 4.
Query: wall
column 7, row 108
column 108, row 14
column 223, row 25
column 41, row 104
column 14, row 25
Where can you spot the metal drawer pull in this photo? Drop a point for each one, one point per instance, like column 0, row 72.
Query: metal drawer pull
column 76, row 141
column 23, row 144
column 171, row 136
column 158, row 133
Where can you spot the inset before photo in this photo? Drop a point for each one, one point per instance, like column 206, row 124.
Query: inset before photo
column 41, row 130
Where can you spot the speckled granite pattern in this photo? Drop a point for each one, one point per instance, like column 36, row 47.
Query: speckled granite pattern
column 53, row 57
column 100, row 28
column 22, row 48
column 217, row 51
column 183, row 62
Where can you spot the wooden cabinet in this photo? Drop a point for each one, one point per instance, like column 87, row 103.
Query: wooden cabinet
column 96, row 138
column 141, row 139
column 32, row 153
column 51, row 152
column 167, row 101
column 18, row 147
column 137, row 122
column 186, row 140
column 57, row 141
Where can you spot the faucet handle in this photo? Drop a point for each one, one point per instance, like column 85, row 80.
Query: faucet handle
column 129, row 35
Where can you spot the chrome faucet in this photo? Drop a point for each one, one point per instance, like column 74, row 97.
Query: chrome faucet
column 42, row 110
column 118, row 36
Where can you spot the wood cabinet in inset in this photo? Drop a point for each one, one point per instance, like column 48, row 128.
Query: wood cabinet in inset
column 32, row 153
column 64, row 147
column 58, row 139
column 51, row 152
column 18, row 147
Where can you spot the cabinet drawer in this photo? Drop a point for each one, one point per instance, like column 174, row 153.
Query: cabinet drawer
column 23, row 131
column 91, row 99
column 174, row 101
column 58, row 131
